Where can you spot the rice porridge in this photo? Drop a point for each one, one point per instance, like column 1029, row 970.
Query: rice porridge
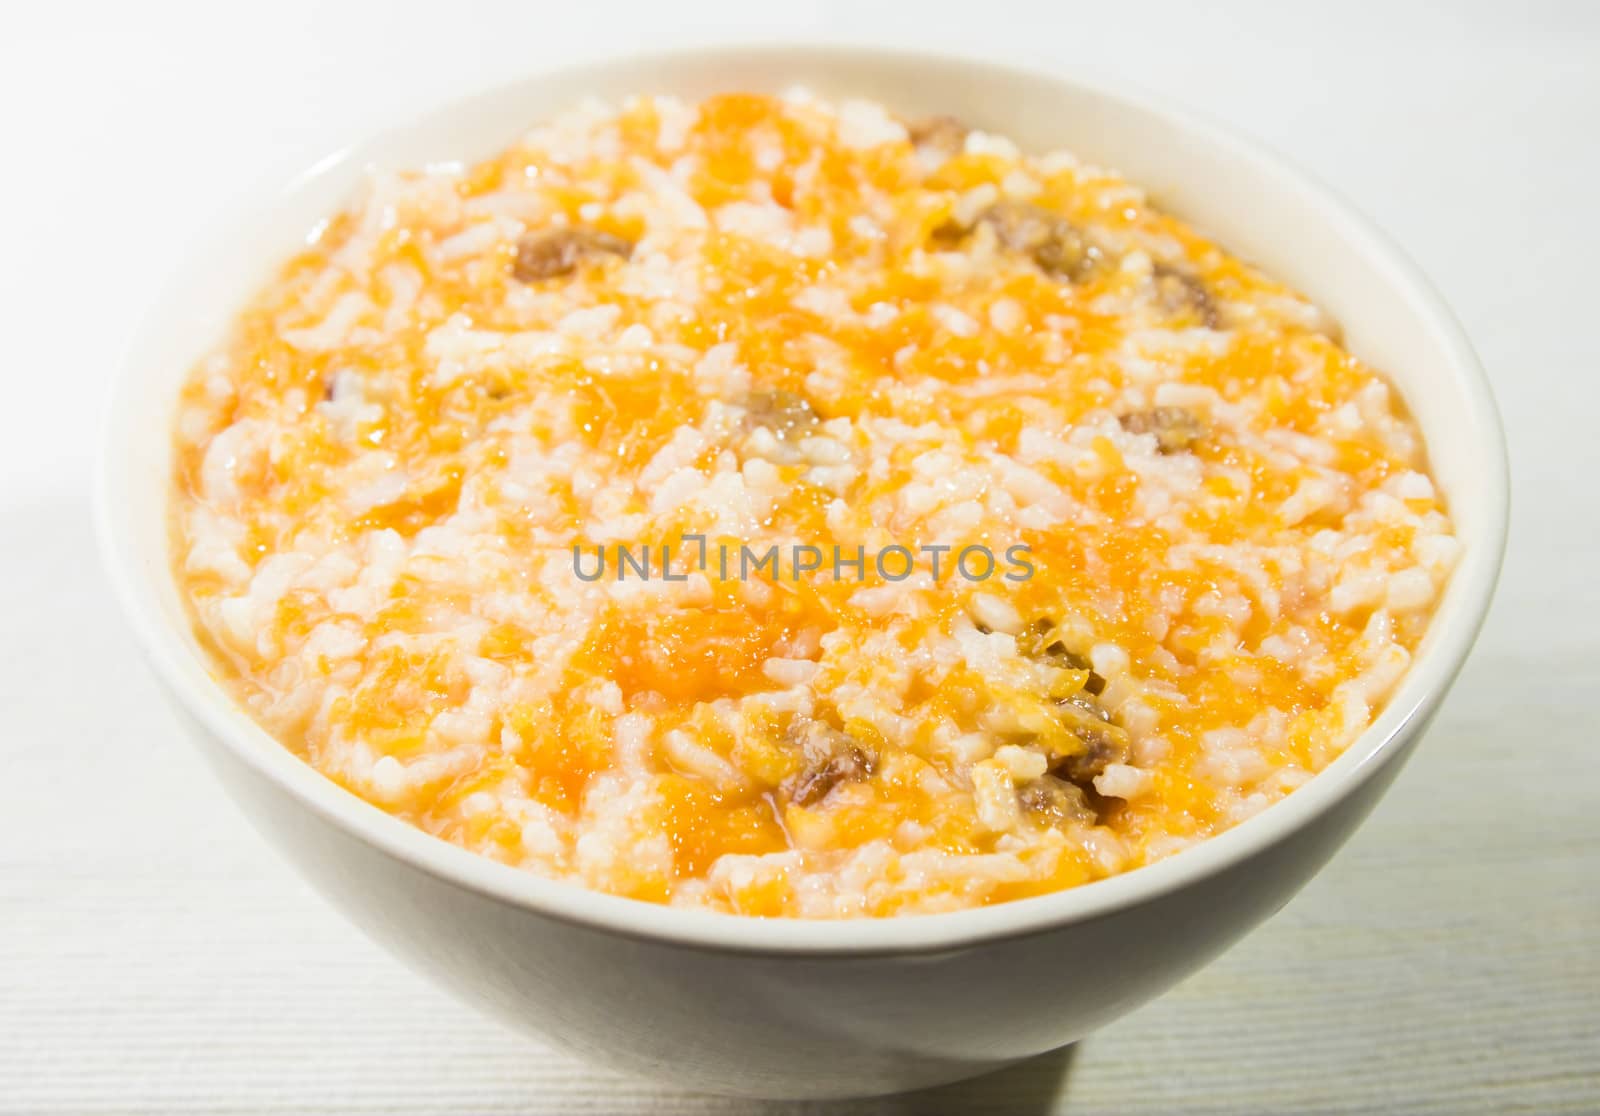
column 780, row 507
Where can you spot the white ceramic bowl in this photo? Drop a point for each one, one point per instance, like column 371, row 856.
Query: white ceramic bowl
column 790, row 1008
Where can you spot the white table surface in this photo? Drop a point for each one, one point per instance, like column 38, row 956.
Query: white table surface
column 156, row 957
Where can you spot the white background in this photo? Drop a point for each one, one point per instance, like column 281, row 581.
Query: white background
column 154, row 956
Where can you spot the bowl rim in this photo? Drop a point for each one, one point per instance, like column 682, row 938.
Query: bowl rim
column 1452, row 629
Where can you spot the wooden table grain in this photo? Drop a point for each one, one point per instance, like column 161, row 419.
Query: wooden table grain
column 156, row 958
